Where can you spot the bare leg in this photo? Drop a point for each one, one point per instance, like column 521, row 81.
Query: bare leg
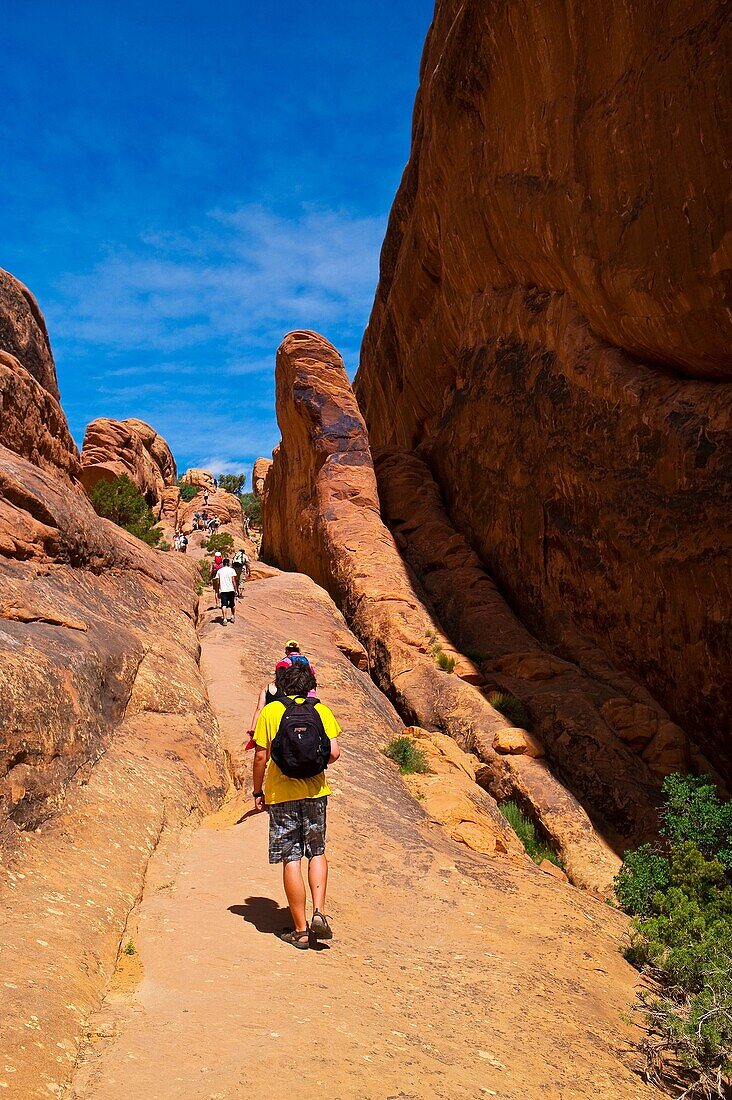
column 318, row 880
column 295, row 890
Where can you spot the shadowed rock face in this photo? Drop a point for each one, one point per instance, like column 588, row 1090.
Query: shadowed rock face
column 321, row 516
column 550, row 330
column 115, row 447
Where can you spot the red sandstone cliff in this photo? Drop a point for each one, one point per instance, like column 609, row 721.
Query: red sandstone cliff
column 115, row 447
column 550, row 329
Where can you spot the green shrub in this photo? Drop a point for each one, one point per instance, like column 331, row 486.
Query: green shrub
column 222, row 541
column 511, row 708
column 410, row 758
column 694, row 811
column 525, row 829
column 232, row 483
column 204, row 571
column 680, row 895
column 644, row 872
column 445, row 662
column 122, row 502
column 251, row 506
column 129, row 948
column 187, row 492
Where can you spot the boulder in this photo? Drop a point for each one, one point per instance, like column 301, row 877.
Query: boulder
column 203, row 479
column 321, row 516
column 515, row 742
column 115, row 447
column 550, row 329
column 261, row 468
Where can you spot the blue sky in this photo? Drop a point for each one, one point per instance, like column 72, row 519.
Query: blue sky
column 184, row 183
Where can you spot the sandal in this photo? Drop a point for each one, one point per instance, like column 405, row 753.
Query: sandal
column 319, row 926
column 300, row 940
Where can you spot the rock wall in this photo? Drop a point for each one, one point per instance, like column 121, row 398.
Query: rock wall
column 115, row 447
column 96, row 627
column 321, row 517
column 107, row 739
column 550, row 331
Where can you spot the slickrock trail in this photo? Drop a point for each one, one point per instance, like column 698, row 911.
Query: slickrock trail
column 443, row 980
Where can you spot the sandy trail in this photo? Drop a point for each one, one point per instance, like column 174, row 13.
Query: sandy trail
column 451, row 975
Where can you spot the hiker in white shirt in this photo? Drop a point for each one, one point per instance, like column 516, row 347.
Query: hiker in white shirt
column 228, row 590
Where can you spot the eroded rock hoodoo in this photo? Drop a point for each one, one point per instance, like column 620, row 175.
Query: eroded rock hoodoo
column 550, row 331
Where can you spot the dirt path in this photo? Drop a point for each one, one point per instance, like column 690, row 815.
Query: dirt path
column 451, row 975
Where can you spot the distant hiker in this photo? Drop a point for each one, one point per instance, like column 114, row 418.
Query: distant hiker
column 295, row 739
column 183, row 543
column 216, row 483
column 247, row 527
column 269, row 691
column 228, row 588
column 293, row 656
column 240, row 561
column 196, row 518
column 176, row 541
column 205, row 496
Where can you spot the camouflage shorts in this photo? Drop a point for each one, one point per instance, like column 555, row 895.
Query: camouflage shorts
column 297, row 829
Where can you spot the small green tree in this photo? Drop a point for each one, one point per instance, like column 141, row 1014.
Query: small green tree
column 222, row 541
column 233, row 483
column 122, row 502
column 680, row 895
column 251, row 506
column 187, row 492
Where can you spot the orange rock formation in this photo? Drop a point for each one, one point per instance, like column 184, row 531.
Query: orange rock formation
column 115, row 447
column 550, row 329
column 321, row 516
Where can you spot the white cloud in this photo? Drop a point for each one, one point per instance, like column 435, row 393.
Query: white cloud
column 241, row 281
column 182, row 330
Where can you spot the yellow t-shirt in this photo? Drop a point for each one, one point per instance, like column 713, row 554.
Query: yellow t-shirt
column 279, row 787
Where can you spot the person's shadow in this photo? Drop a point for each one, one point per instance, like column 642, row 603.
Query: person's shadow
column 269, row 918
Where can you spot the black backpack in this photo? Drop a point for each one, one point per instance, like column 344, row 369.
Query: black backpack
column 301, row 747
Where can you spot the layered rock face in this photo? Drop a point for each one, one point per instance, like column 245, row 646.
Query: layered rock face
column 115, row 447
column 96, row 628
column 321, row 516
column 550, row 330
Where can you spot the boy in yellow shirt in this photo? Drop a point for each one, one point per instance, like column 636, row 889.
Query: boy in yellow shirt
column 297, row 808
